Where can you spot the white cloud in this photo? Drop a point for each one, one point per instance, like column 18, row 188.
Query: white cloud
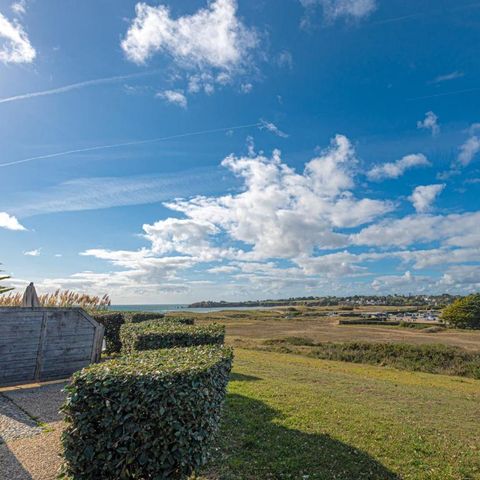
column 285, row 59
column 33, row 253
column 278, row 213
column 176, row 97
column 463, row 277
column 213, row 37
column 15, row 46
column 333, row 9
column 19, row 7
column 448, row 76
column 271, row 127
column 406, row 283
column 468, row 150
column 246, row 87
column 397, row 168
column 424, row 195
column 459, row 229
column 10, row 222
column 282, row 213
column 106, row 192
column 430, row 122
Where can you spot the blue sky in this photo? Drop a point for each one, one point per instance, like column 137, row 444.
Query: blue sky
column 168, row 152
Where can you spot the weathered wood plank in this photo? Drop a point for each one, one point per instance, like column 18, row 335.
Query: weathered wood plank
column 66, row 355
column 70, row 367
column 46, row 343
column 43, row 332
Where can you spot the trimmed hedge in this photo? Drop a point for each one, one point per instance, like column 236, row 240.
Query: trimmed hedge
column 112, row 321
column 180, row 319
column 150, row 415
column 153, row 335
column 137, row 317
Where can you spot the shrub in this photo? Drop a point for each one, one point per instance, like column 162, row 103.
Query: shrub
column 112, row 323
column 153, row 334
column 150, row 415
column 180, row 319
column 137, row 317
column 439, row 358
column 463, row 312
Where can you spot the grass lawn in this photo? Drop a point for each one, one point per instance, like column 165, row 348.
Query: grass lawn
column 292, row 417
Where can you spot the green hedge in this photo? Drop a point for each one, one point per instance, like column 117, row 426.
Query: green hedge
column 150, row 415
column 180, row 319
column 112, row 321
column 152, row 335
column 137, row 317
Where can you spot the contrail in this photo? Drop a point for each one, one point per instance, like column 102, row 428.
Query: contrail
column 76, row 86
column 445, row 94
column 127, row 144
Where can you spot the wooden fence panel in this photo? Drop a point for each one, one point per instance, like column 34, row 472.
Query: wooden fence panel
column 46, row 343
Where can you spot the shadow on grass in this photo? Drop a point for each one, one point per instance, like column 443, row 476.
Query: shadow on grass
column 240, row 377
column 251, row 446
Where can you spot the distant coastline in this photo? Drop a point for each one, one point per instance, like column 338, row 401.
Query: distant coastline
column 356, row 300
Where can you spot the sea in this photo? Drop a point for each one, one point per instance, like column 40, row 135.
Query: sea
column 176, row 307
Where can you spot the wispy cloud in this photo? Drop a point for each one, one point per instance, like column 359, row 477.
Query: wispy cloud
column 77, row 86
column 398, row 168
column 271, row 127
column 33, row 253
column 430, row 122
column 447, row 77
column 126, row 144
column 19, row 7
column 107, row 192
column 468, row 150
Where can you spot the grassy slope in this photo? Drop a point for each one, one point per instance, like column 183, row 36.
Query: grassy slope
column 291, row 417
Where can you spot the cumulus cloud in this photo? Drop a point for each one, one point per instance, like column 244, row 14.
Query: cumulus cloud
column 423, row 196
column 468, row 150
column 430, row 122
column 282, row 213
column 397, row 168
column 15, row 46
column 213, row 37
column 292, row 230
column 10, row 222
column 175, row 97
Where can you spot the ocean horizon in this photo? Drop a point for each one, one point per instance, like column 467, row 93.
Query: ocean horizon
column 174, row 307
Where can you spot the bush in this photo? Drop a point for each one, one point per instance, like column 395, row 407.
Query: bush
column 145, row 416
column 137, row 317
column 112, row 323
column 463, row 312
column 439, row 358
column 153, row 335
column 180, row 319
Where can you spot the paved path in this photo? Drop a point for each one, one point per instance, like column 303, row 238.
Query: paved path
column 29, row 451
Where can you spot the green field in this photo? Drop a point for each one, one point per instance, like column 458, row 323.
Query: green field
column 292, row 417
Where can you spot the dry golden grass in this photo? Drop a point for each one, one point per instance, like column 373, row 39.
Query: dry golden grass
column 246, row 328
column 60, row 298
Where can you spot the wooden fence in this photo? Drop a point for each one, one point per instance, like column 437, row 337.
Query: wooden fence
column 39, row 344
